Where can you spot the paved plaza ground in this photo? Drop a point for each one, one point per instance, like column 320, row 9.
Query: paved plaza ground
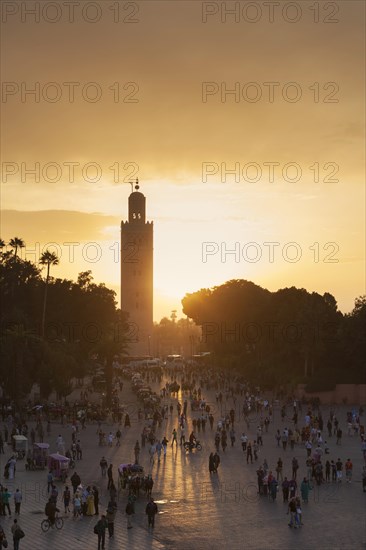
column 196, row 510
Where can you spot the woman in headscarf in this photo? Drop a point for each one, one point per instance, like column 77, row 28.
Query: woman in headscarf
column 90, row 508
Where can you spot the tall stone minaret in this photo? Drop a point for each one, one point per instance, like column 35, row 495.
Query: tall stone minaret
column 137, row 274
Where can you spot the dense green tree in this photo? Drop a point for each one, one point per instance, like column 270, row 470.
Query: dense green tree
column 353, row 337
column 276, row 337
column 82, row 324
column 17, row 346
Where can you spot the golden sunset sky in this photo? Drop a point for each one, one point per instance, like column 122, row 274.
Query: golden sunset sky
column 157, row 118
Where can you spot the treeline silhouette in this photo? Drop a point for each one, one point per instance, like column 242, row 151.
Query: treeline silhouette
column 53, row 330
column 286, row 337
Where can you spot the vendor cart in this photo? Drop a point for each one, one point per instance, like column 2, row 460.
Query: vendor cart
column 59, row 466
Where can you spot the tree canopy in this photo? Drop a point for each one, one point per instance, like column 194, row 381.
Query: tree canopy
column 82, row 325
column 278, row 337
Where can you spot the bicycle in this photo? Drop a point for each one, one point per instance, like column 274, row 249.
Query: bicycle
column 46, row 524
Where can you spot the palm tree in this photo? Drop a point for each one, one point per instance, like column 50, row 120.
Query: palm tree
column 16, row 243
column 47, row 258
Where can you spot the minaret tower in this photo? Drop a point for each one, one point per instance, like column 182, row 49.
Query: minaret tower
column 137, row 274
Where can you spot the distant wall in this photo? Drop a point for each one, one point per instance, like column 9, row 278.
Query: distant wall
column 354, row 394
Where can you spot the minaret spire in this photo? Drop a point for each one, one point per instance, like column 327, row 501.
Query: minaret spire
column 137, row 186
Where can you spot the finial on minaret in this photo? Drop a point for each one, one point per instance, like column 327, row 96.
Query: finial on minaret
column 137, row 187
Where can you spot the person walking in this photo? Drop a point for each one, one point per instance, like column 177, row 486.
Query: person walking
column 84, row 498
column 364, row 479
column 285, row 489
column 339, row 467
column 164, row 443
column 149, row 484
column 18, row 497
column 279, row 469
column 11, row 467
column 327, row 471
column 159, row 448
column 5, row 497
column 292, row 488
column 249, row 453
column 99, row 530
column 152, row 452
column 151, row 511
column 110, row 517
column 255, row 450
column 292, row 510
column 96, row 500
column 3, row 541
column 308, row 447
column 113, row 492
column 272, row 488
column 130, row 510
column 17, row 533
column 137, row 451
column 49, row 481
column 77, row 513
column 182, row 439
column 305, row 488
column 103, row 466
column 348, row 468
column 174, row 440
column 79, row 451
column 66, row 497
column 216, row 462
column 110, row 476
column 284, row 439
column 75, row 481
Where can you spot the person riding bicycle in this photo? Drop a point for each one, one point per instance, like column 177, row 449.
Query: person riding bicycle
column 192, row 440
column 50, row 511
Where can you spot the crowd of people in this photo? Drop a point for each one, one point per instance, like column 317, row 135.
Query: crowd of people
column 304, row 439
